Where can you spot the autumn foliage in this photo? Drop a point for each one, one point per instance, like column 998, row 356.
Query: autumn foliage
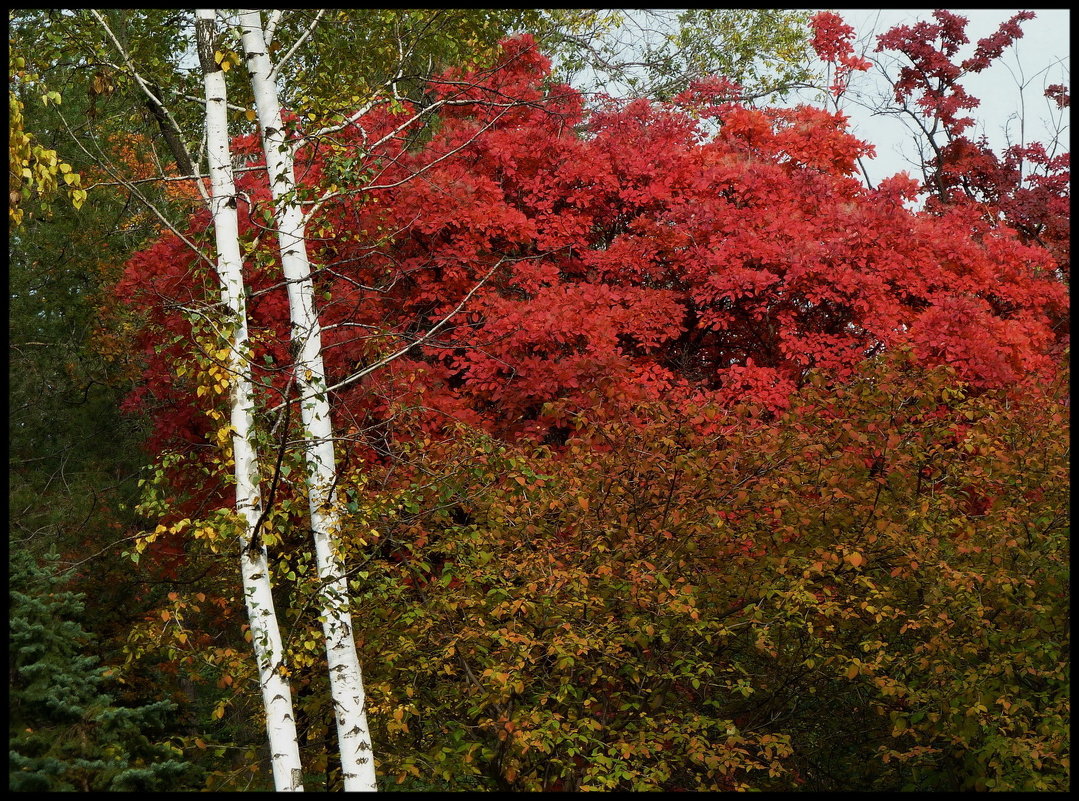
column 704, row 455
column 1028, row 185
column 701, row 251
column 657, row 608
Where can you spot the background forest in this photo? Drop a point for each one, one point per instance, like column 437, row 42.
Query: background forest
column 564, row 370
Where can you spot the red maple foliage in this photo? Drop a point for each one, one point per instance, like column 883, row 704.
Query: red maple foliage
column 832, row 42
column 1028, row 184
column 694, row 251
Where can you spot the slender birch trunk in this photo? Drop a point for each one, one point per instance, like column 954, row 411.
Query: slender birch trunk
column 346, row 681
column 266, row 637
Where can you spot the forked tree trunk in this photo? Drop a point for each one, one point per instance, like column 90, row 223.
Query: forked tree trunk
column 266, row 637
column 346, row 682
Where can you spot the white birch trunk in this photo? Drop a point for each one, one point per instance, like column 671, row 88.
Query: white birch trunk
column 346, row 682
column 266, row 637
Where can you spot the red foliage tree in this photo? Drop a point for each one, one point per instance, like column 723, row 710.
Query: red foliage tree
column 1028, row 184
column 694, row 251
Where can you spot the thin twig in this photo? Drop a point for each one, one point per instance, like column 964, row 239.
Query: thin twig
column 276, row 70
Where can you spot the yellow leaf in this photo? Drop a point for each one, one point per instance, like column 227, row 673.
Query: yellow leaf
column 856, row 559
column 250, row 114
column 166, row 615
column 225, row 66
column 852, row 671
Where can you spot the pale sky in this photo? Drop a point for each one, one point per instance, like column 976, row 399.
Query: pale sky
column 1040, row 58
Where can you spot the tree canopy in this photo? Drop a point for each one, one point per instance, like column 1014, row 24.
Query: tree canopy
column 695, row 251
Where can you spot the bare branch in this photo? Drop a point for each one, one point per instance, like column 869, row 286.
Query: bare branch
column 168, row 178
column 271, row 24
column 415, row 343
column 341, row 126
column 134, row 190
column 156, row 101
column 292, row 50
column 372, row 187
column 430, row 334
column 202, row 101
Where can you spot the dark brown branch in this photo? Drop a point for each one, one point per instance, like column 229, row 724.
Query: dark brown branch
column 176, row 147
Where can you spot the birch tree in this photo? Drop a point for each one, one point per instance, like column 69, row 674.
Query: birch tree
column 221, row 200
column 266, row 636
column 346, row 681
column 344, row 668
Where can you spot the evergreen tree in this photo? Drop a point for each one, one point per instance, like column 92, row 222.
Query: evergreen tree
column 66, row 731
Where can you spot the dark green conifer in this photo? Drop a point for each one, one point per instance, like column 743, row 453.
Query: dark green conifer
column 66, row 730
